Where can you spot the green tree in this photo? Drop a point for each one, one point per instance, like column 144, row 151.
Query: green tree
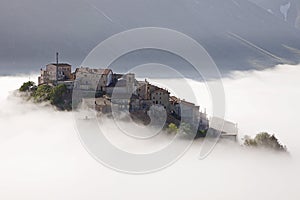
column 202, row 133
column 265, row 140
column 43, row 93
column 172, row 128
column 57, row 94
column 27, row 86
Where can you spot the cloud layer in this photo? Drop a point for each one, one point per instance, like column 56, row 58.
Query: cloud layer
column 42, row 157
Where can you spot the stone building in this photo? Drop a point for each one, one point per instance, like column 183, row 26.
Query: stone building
column 93, row 79
column 102, row 105
column 189, row 113
column 125, row 84
column 161, row 97
column 55, row 72
column 143, row 90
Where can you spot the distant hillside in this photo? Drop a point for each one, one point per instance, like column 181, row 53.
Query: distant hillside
column 238, row 34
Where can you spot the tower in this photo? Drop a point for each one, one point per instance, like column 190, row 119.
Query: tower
column 130, row 81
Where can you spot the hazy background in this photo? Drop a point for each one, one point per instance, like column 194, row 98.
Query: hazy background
column 238, row 34
column 41, row 156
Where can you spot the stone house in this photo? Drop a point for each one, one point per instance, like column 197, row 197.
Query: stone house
column 102, row 104
column 161, row 97
column 189, row 113
column 55, row 72
column 125, row 84
column 93, row 79
column 143, row 90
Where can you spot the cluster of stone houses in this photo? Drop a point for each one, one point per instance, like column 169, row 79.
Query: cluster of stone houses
column 123, row 91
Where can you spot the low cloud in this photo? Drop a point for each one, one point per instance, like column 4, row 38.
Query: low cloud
column 42, row 158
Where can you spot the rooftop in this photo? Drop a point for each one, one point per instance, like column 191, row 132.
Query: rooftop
column 93, row 71
column 60, row 64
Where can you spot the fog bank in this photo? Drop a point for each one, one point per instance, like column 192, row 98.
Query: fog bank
column 41, row 156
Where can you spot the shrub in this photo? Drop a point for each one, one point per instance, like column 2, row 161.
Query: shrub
column 264, row 140
column 172, row 128
column 57, row 93
column 27, row 86
column 202, row 133
column 43, row 93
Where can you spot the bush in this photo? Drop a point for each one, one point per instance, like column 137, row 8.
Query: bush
column 57, row 93
column 265, row 140
column 27, row 86
column 43, row 93
column 172, row 128
column 201, row 133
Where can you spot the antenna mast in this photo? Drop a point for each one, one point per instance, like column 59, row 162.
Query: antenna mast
column 56, row 67
column 57, row 58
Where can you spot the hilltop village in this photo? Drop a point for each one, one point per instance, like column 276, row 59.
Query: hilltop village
column 106, row 91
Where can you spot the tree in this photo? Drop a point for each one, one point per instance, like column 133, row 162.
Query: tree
column 43, row 93
column 27, row 86
column 265, row 140
column 172, row 128
column 57, row 94
column 201, row 133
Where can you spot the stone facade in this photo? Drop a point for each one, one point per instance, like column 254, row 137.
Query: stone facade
column 161, row 97
column 93, row 79
column 54, row 73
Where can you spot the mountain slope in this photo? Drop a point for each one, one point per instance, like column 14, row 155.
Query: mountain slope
column 238, row 34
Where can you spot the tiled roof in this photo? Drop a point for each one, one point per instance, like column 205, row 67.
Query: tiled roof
column 94, row 71
column 158, row 89
column 174, row 99
column 60, row 64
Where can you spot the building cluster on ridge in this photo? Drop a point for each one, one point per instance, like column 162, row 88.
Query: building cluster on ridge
column 110, row 90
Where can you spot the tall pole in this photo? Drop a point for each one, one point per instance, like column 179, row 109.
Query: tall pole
column 56, row 67
column 57, row 58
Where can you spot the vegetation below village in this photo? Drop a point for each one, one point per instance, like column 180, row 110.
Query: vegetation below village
column 264, row 140
column 58, row 96
column 186, row 129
